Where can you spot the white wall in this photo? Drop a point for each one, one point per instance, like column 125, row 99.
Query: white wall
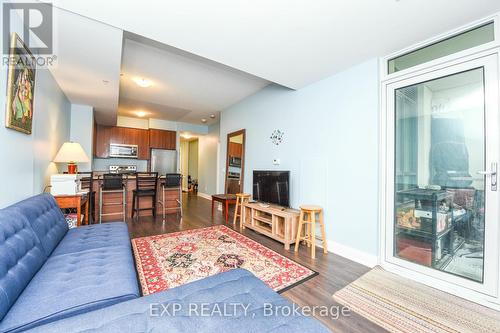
column 132, row 122
column 178, row 126
column 330, row 146
column 207, row 160
column 193, row 159
column 82, row 131
column 184, row 163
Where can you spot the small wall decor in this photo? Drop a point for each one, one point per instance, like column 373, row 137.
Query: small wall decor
column 20, row 87
column 277, row 137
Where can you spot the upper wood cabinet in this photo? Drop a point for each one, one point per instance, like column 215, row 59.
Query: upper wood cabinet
column 106, row 135
column 161, row 139
column 136, row 136
column 235, row 149
column 102, row 138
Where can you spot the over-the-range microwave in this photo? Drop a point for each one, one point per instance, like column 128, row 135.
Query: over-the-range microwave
column 123, row 151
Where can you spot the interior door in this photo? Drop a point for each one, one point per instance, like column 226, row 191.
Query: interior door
column 442, row 182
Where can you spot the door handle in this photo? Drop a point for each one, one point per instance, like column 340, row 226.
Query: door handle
column 493, row 175
column 486, row 173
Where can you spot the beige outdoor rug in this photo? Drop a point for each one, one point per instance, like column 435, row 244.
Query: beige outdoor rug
column 401, row 305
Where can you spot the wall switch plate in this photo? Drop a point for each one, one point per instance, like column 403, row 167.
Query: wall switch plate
column 276, row 161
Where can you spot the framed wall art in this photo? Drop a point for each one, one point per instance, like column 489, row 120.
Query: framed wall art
column 20, row 87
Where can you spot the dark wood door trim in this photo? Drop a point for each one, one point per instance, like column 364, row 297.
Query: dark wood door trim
column 242, row 176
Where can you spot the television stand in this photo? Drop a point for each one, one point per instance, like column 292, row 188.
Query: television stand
column 276, row 222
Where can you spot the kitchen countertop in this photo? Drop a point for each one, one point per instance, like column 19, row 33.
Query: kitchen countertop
column 126, row 177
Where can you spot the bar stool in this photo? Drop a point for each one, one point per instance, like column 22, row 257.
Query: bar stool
column 241, row 198
column 171, row 184
column 87, row 182
column 309, row 237
column 112, row 183
column 146, row 184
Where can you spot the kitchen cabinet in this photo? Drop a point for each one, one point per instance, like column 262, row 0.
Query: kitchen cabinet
column 160, row 139
column 106, row 135
column 235, row 149
column 136, row 136
column 102, row 140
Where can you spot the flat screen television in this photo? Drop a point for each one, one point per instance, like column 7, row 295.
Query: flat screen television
column 272, row 187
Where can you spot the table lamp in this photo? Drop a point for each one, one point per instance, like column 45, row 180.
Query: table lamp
column 71, row 153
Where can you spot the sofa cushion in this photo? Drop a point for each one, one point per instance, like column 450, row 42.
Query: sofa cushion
column 21, row 256
column 147, row 314
column 45, row 218
column 94, row 237
column 74, row 283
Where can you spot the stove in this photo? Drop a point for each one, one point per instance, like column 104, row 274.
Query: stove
column 122, row 168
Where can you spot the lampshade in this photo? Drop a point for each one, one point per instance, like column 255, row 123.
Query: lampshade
column 71, row 152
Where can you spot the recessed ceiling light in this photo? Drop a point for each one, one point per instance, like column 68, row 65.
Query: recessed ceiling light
column 212, row 116
column 203, row 120
column 143, row 83
column 186, row 136
column 140, row 113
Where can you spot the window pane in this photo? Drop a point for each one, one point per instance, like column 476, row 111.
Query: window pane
column 440, row 148
column 466, row 40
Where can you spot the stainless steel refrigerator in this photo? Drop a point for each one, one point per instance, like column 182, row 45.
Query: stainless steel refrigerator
column 163, row 161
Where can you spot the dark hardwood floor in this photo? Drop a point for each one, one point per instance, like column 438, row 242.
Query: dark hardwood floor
column 335, row 272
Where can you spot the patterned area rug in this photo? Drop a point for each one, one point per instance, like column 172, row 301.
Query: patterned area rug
column 402, row 305
column 170, row 260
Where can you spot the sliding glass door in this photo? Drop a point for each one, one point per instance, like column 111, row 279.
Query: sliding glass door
column 443, row 139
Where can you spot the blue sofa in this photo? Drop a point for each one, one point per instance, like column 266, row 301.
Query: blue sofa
column 57, row 280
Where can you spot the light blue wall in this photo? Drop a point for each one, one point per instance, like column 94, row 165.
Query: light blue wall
column 330, row 147
column 102, row 164
column 51, row 128
column 82, row 131
column 207, row 160
column 26, row 160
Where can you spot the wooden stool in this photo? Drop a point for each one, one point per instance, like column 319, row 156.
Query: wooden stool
column 241, row 198
column 310, row 212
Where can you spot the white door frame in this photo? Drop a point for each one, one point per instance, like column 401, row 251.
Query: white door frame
column 489, row 293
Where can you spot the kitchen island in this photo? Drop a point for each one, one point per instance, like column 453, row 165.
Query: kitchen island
column 130, row 184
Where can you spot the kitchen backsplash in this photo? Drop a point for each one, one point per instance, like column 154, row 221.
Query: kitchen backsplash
column 102, row 164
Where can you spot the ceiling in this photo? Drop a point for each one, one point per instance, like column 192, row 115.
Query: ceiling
column 292, row 43
column 88, row 63
column 184, row 87
column 205, row 56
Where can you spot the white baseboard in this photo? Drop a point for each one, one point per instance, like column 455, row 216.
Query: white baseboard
column 205, row 196
column 350, row 253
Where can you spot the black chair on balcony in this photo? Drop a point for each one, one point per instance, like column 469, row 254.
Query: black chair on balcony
column 145, row 186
